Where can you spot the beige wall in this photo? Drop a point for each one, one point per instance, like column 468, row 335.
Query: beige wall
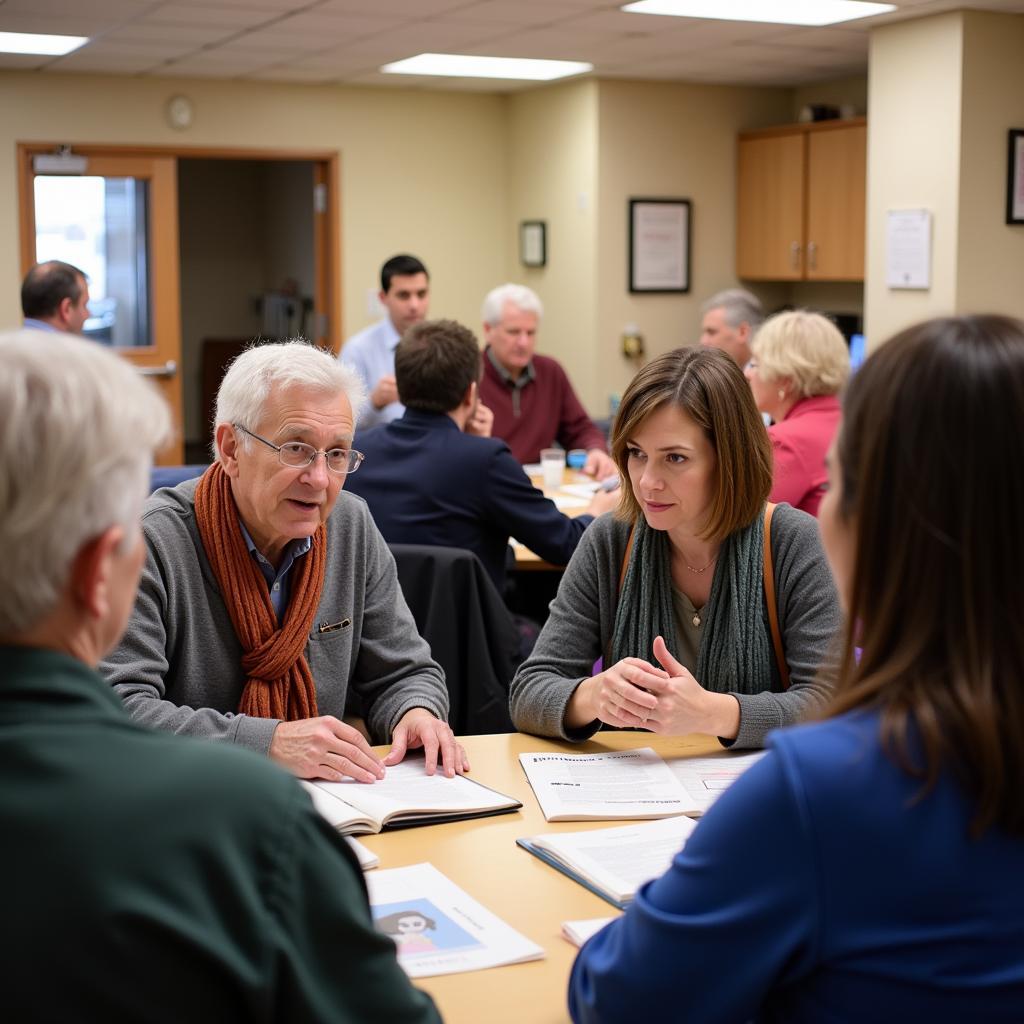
column 914, row 94
column 991, row 252
column 420, row 170
column 552, row 176
column 667, row 140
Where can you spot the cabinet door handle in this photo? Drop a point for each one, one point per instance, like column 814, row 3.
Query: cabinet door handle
column 794, row 255
column 812, row 255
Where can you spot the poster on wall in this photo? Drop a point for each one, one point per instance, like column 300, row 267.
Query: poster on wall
column 659, row 245
column 908, row 249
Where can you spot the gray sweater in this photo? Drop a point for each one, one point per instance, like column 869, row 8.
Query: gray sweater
column 178, row 665
column 579, row 631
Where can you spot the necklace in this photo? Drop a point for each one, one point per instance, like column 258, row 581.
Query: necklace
column 703, row 569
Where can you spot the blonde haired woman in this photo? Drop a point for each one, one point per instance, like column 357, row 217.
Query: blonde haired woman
column 799, row 363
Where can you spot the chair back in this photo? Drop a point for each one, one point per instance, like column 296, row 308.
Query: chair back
column 461, row 615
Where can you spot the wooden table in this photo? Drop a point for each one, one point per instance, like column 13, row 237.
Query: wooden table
column 482, row 858
column 527, row 559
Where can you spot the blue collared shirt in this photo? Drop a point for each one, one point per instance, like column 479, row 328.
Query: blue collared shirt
column 371, row 353
column 40, row 325
column 277, row 579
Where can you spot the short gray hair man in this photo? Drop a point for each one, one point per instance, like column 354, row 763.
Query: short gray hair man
column 80, row 429
column 262, row 370
column 730, row 320
column 524, row 299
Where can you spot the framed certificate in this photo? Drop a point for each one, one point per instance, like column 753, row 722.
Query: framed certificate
column 1015, row 178
column 659, row 245
column 533, row 243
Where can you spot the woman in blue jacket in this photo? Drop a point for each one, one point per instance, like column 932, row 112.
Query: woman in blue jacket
column 869, row 867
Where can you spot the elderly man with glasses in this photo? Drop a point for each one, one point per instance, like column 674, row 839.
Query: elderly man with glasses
column 267, row 592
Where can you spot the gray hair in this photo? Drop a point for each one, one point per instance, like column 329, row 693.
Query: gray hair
column 738, row 306
column 519, row 295
column 79, row 430
column 264, row 369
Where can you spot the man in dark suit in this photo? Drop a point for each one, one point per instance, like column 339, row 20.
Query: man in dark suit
column 429, row 481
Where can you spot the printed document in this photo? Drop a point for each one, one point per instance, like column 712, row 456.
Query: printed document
column 597, row 787
column 614, row 862
column 439, row 929
column 707, row 778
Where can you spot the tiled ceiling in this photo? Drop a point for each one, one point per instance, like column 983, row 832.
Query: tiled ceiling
column 346, row 41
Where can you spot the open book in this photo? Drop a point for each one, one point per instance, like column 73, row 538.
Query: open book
column 613, row 862
column 406, row 796
column 601, row 787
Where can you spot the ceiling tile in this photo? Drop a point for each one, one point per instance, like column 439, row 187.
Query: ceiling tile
column 227, row 17
column 110, row 63
column 501, row 12
column 339, row 24
column 403, row 8
column 144, row 31
column 23, row 61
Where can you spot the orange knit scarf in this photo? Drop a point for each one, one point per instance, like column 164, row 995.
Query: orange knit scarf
column 279, row 683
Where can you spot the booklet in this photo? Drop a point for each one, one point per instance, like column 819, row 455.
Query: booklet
column 599, row 787
column 406, row 796
column 707, row 778
column 577, row 932
column 366, row 857
column 613, row 862
column 438, row 928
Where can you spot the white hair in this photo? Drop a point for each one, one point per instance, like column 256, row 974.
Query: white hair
column 264, row 369
column 738, row 306
column 79, row 428
column 518, row 295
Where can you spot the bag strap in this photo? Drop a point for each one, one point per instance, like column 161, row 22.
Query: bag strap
column 625, row 558
column 769, row 593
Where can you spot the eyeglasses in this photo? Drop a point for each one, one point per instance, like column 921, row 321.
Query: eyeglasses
column 297, row 454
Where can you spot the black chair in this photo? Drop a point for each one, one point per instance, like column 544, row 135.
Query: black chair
column 461, row 615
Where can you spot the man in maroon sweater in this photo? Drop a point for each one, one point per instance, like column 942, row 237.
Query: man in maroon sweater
column 533, row 402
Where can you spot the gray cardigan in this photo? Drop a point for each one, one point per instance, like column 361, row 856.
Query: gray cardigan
column 178, row 665
column 579, row 631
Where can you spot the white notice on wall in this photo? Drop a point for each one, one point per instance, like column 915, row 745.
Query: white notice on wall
column 908, row 249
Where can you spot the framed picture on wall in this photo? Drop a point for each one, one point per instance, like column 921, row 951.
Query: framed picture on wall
column 533, row 243
column 659, row 245
column 1015, row 178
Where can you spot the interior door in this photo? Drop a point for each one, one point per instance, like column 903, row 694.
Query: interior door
column 114, row 217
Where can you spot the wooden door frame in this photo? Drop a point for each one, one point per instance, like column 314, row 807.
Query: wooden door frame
column 326, row 228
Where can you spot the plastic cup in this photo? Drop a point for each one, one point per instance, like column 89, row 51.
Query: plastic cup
column 552, row 464
column 576, row 459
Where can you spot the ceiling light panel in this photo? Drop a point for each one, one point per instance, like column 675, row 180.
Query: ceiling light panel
column 28, row 42
column 456, row 65
column 780, row 12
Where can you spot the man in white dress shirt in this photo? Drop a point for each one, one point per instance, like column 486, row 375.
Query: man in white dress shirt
column 405, row 293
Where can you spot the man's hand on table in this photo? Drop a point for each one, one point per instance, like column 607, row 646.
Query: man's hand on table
column 599, row 464
column 419, row 728
column 325, row 748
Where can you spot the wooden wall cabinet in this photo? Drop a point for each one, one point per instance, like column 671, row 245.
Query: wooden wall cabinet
column 800, row 202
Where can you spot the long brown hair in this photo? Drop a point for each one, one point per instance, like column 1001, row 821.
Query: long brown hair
column 931, row 455
column 710, row 388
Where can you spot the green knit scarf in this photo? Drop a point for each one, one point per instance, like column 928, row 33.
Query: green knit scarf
column 735, row 654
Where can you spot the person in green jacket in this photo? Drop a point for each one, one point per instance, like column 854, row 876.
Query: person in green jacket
column 148, row 876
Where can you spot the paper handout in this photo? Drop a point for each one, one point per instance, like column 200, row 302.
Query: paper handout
column 596, row 787
column 439, row 929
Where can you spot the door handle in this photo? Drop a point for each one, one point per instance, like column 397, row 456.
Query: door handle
column 794, row 255
column 169, row 369
column 812, row 255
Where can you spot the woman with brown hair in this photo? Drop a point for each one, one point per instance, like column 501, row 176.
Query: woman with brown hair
column 892, row 832
column 674, row 592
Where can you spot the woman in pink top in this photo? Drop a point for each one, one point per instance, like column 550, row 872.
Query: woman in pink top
column 799, row 363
